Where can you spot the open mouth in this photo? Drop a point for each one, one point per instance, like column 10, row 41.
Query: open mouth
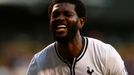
column 61, row 28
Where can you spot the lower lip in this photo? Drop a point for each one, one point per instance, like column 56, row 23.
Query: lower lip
column 61, row 30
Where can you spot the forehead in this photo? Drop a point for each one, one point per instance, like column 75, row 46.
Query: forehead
column 63, row 6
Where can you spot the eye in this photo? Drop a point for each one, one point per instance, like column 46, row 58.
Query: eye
column 68, row 14
column 55, row 14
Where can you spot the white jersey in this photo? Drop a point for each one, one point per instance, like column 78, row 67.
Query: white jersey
column 97, row 58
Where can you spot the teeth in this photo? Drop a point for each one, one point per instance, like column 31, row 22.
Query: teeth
column 61, row 26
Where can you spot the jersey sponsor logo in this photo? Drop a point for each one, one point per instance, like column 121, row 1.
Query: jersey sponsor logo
column 90, row 71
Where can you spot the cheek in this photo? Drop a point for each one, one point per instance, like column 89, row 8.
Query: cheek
column 51, row 22
column 74, row 19
column 51, row 25
column 79, row 25
column 51, row 19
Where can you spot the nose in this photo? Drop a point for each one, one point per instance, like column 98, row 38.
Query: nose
column 61, row 17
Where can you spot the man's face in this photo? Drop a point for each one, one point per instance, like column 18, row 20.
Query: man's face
column 64, row 22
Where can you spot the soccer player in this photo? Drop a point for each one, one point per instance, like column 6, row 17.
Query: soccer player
column 72, row 53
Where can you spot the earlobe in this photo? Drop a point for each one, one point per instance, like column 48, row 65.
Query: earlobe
column 82, row 22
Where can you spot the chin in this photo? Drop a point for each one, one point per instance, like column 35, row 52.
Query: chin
column 64, row 39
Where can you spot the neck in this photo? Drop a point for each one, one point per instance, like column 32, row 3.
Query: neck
column 71, row 49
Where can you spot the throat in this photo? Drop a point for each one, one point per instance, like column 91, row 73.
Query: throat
column 70, row 60
column 70, row 51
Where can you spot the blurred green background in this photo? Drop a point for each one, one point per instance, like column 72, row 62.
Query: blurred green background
column 24, row 30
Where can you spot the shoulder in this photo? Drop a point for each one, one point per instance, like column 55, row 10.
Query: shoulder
column 98, row 44
column 39, row 59
column 102, row 47
column 105, row 52
column 48, row 50
column 108, row 56
column 44, row 52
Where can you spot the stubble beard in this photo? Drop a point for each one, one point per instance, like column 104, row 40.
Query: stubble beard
column 72, row 31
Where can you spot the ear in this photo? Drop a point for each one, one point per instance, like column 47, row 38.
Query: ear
column 81, row 22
